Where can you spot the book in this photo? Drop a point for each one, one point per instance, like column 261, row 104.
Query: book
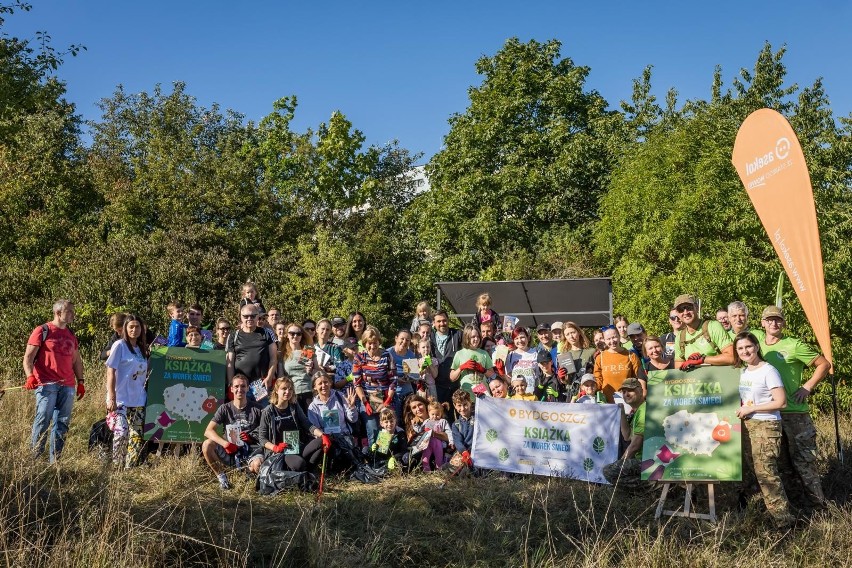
column 411, row 367
column 509, row 323
column 331, row 420
column 291, row 437
column 258, row 389
column 383, row 442
column 232, row 434
column 566, row 361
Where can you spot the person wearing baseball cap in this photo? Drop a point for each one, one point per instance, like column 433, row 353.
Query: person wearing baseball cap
column 626, row 473
column 545, row 340
column 790, row 356
column 556, row 331
column 699, row 342
column 338, row 328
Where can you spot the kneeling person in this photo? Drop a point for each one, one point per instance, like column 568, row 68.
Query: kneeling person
column 222, row 452
column 626, row 472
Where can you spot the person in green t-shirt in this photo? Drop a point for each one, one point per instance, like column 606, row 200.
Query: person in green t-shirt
column 790, row 356
column 699, row 342
column 738, row 318
column 471, row 365
column 626, row 473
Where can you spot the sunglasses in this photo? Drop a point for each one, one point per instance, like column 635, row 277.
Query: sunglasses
column 224, row 329
column 606, row 327
column 249, row 316
column 674, row 318
column 294, row 333
column 685, row 308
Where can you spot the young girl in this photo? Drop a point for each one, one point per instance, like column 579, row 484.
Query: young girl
column 523, row 360
column 484, row 312
column 416, row 415
column 471, row 364
column 249, row 296
column 621, row 324
column 428, row 370
column 423, row 311
column 519, row 389
column 763, row 396
column 438, row 425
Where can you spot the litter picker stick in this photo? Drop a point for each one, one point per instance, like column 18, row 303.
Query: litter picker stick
column 322, row 473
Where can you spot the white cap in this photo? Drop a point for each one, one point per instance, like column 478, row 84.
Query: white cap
column 556, row 325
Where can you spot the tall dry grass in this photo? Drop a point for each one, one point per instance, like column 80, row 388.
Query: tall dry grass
column 80, row 512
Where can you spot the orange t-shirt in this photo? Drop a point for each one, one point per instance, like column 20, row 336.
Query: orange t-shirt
column 612, row 368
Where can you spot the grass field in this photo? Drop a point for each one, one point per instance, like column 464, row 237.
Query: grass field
column 172, row 513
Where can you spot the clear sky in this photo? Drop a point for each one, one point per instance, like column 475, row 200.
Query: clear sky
column 399, row 70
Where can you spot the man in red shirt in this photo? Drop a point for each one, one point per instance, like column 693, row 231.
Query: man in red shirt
column 54, row 370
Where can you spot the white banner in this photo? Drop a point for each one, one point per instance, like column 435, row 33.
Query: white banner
column 546, row 438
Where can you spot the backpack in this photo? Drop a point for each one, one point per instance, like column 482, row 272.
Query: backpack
column 274, row 477
column 681, row 339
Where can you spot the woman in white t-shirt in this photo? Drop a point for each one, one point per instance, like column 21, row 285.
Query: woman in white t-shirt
column 127, row 371
column 762, row 396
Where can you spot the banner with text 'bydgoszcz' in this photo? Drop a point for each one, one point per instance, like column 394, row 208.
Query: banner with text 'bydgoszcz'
column 771, row 165
column 546, row 438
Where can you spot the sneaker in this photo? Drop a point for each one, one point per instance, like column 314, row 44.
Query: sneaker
column 223, row 482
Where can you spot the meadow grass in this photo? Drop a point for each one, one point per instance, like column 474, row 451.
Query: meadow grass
column 171, row 512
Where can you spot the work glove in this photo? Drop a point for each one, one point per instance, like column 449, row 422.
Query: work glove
column 562, row 373
column 32, row 383
column 279, row 448
column 81, row 390
column 326, row 442
column 231, row 448
column 244, row 436
column 388, row 399
column 694, row 360
column 500, row 366
column 552, row 392
column 367, row 408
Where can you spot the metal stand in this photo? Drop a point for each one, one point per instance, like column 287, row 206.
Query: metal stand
column 687, row 503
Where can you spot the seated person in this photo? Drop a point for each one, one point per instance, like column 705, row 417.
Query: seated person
column 390, row 444
column 244, row 416
column 462, row 429
column 626, row 472
column 519, row 389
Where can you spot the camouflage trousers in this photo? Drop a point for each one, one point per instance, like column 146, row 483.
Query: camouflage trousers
column 627, row 475
column 797, row 462
column 761, row 446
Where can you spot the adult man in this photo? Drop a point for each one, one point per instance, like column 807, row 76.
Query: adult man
column 263, row 324
column 699, row 342
column 324, row 342
column 738, row 317
column 626, row 473
column 789, row 355
column 240, row 413
column 636, row 334
column 545, row 340
column 668, row 340
column 54, row 369
column 223, row 328
column 722, row 317
column 338, row 326
column 273, row 316
column 445, row 342
column 249, row 351
column 194, row 317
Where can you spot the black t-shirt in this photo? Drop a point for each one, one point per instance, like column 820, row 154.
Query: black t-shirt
column 248, row 417
column 251, row 352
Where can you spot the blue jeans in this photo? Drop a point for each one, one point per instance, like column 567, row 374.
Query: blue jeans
column 371, row 426
column 53, row 402
column 402, row 391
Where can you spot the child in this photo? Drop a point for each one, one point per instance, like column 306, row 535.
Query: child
column 177, row 328
column 428, row 369
column 438, row 425
column 390, row 444
column 548, row 388
column 463, row 426
column 519, row 389
column 423, row 312
column 249, row 293
column 484, row 312
column 588, row 393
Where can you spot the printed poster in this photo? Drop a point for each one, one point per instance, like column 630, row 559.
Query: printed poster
column 692, row 432
column 185, row 388
column 546, row 438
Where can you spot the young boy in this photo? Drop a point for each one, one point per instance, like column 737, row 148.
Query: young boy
column 463, row 426
column 177, row 327
column 548, row 388
column 519, row 389
column 391, row 442
column 588, row 393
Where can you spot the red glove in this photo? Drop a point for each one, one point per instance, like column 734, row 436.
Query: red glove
column 562, row 373
column 388, row 399
column 500, row 366
column 32, row 383
column 231, row 448
column 694, row 360
column 244, row 436
column 81, row 390
column 278, row 448
column 467, row 365
column 326, row 442
column 367, row 408
column 477, row 368
column 466, row 458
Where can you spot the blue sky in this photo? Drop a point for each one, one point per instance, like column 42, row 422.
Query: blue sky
column 399, row 70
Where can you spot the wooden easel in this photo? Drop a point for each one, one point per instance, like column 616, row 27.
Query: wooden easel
column 687, row 503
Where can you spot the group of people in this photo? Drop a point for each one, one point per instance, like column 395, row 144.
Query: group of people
column 305, row 389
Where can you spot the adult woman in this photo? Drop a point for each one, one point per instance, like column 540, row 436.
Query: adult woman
column 299, row 364
column 223, row 328
column 330, row 410
column 127, row 369
column 471, row 364
column 415, row 414
column 284, row 428
column 615, row 364
column 116, row 324
column 763, row 396
column 575, row 342
column 653, row 349
column 401, row 351
column 374, row 376
column 355, row 326
column 522, row 361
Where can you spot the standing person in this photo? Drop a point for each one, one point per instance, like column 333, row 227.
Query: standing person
column 401, row 351
column 443, row 346
column 338, row 327
column 615, row 365
column 575, row 342
column 790, row 356
column 738, row 318
column 471, row 365
column 621, row 324
column 722, row 317
column 699, row 342
column 523, row 360
column 54, row 369
column 127, row 371
column 556, row 332
column 249, row 351
column 668, row 340
column 116, row 323
column 545, row 340
column 324, row 342
column 273, row 316
column 374, row 375
column 762, row 395
column 355, row 326
column 222, row 452
column 300, row 363
column 223, row 328
column 657, row 360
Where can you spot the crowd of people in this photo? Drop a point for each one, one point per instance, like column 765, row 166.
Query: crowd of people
column 336, row 387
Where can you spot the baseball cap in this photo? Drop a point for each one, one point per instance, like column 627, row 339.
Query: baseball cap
column 587, row 378
column 631, row 383
column 684, row 299
column 772, row 312
column 337, row 321
column 556, row 325
column 350, row 343
column 635, row 329
column 543, row 327
column 544, row 356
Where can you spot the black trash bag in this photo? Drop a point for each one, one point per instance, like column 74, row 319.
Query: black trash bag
column 344, row 455
column 100, row 439
column 369, row 474
column 274, row 477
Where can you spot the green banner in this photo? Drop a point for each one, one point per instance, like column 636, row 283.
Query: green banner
column 185, row 387
column 692, row 432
